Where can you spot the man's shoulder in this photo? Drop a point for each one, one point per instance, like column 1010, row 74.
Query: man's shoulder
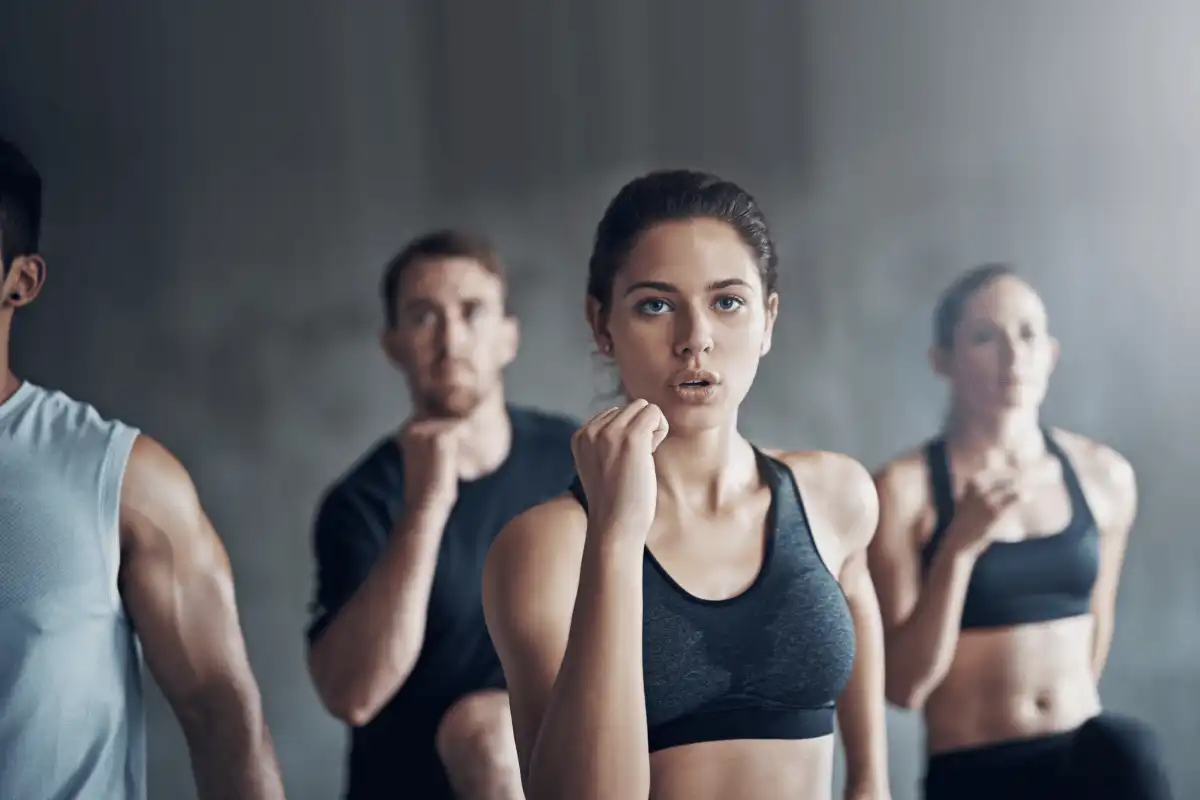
column 373, row 475
column 543, row 464
column 547, row 428
column 69, row 438
column 64, row 413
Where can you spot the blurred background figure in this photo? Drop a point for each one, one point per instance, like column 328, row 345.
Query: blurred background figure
column 398, row 645
column 1014, row 533
column 218, row 225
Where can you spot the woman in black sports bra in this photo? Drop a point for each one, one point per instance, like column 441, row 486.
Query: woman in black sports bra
column 997, row 561
column 682, row 624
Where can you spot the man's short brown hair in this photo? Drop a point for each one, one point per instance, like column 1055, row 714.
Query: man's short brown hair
column 445, row 243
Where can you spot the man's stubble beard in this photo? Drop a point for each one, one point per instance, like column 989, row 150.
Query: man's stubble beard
column 454, row 404
column 459, row 402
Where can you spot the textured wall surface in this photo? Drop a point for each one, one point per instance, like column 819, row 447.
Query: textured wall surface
column 225, row 180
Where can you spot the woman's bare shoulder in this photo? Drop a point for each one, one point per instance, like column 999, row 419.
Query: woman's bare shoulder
column 903, row 483
column 1107, row 477
column 824, row 468
column 836, row 487
column 1098, row 459
column 548, row 536
column 896, row 493
column 529, row 584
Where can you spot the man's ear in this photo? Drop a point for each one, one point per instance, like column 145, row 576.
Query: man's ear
column 389, row 342
column 510, row 339
column 23, row 281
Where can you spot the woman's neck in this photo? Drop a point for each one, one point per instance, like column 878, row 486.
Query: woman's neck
column 701, row 470
column 1016, row 433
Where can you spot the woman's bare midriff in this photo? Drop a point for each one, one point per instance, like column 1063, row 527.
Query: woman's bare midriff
column 748, row 770
column 1014, row 683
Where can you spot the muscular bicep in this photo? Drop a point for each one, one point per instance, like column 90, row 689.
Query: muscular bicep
column 177, row 586
column 529, row 585
column 893, row 556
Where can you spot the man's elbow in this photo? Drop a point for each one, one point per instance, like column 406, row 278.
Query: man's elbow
column 342, row 694
column 354, row 715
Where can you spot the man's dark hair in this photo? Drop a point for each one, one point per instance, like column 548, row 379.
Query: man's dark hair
column 445, row 243
column 20, row 206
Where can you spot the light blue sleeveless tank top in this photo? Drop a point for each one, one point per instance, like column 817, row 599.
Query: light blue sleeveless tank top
column 71, row 705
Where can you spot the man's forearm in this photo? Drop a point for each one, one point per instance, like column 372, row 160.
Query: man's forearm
column 232, row 755
column 371, row 645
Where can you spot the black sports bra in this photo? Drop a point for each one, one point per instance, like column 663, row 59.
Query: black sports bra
column 767, row 664
column 1021, row 583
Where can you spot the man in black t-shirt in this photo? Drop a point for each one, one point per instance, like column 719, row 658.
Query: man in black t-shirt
column 398, row 647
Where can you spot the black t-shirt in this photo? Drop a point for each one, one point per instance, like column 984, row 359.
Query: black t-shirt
column 395, row 751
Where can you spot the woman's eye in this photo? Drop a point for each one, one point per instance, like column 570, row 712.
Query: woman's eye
column 653, row 306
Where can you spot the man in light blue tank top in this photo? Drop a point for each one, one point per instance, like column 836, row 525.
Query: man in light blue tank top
column 106, row 555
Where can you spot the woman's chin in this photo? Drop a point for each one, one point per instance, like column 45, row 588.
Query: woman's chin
column 689, row 419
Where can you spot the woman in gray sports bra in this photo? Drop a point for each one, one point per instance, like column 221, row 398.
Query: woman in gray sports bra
column 687, row 622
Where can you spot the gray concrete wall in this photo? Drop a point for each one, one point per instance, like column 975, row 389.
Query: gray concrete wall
column 224, row 181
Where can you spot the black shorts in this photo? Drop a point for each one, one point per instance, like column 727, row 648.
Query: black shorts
column 414, row 771
column 1109, row 757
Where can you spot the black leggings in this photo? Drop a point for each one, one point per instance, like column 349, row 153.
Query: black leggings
column 1109, row 757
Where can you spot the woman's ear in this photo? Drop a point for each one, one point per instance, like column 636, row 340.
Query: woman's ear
column 771, row 315
column 598, row 322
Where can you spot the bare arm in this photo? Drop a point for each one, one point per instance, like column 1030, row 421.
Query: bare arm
column 1119, row 485
column 176, row 583
column 921, row 614
column 370, row 646
column 574, row 676
column 861, row 714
